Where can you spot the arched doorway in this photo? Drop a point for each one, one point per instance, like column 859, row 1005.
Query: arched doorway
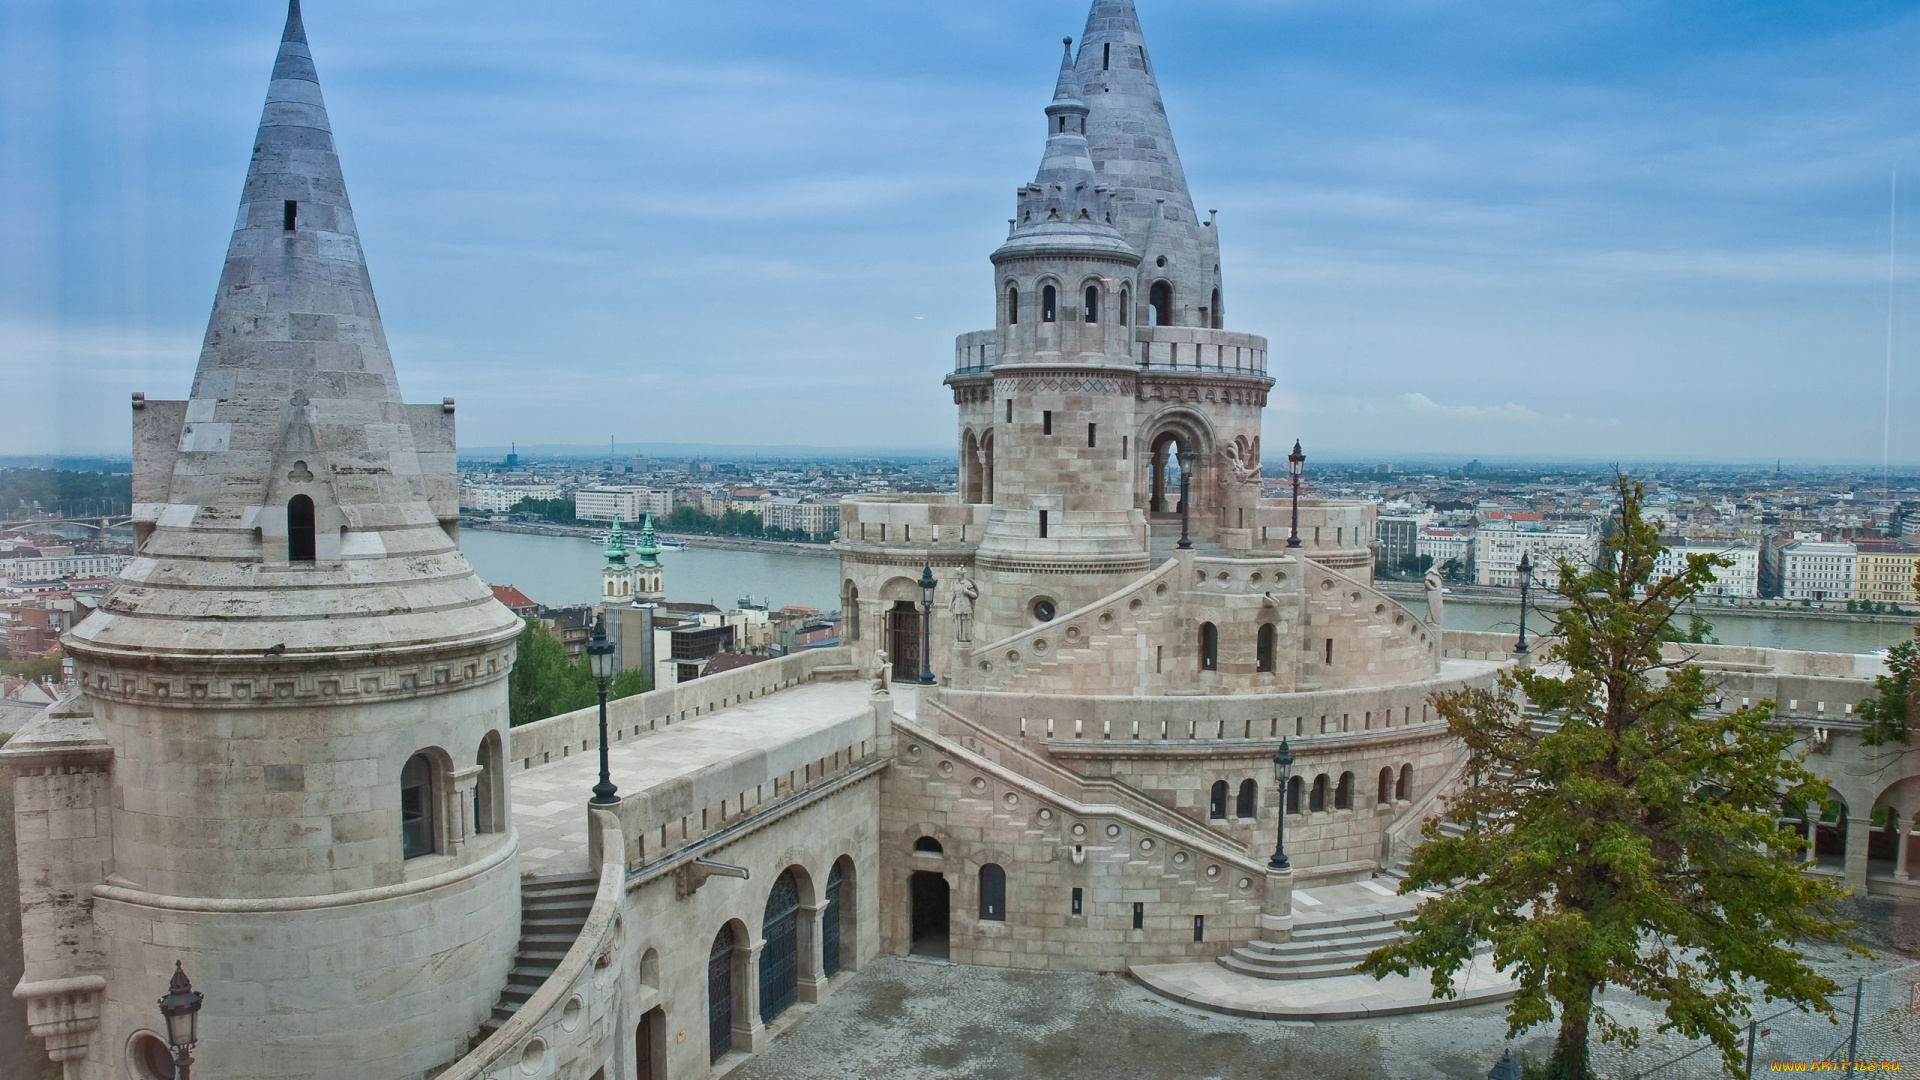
column 986, row 467
column 930, row 902
column 971, row 479
column 780, row 956
column 850, row 611
column 1167, row 448
column 830, row 921
column 720, row 993
column 903, row 640
column 650, row 1045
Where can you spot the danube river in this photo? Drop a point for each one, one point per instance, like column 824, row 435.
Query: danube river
column 560, row 570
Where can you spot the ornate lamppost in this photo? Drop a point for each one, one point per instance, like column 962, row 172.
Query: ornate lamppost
column 926, row 623
column 1296, row 464
column 1282, row 768
column 1186, row 496
column 181, row 1008
column 1526, row 580
column 600, row 659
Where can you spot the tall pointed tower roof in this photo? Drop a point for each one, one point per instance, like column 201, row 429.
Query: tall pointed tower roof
column 1066, row 204
column 647, row 552
column 616, row 546
column 1132, row 146
column 294, row 481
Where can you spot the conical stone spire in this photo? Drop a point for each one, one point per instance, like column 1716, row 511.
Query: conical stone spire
column 295, row 452
column 1132, row 146
column 1066, row 203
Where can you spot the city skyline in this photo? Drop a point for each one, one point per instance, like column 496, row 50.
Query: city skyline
column 1446, row 223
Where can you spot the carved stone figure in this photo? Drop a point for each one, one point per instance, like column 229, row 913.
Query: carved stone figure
column 1436, row 601
column 965, row 592
column 1242, row 460
column 882, row 669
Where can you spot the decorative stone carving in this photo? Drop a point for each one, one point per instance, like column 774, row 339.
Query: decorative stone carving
column 1436, row 598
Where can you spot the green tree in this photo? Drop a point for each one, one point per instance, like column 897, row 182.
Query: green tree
column 1698, row 632
column 1452, row 570
column 558, row 511
column 545, row 683
column 1636, row 845
column 1896, row 695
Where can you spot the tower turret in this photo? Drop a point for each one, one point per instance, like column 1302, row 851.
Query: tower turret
column 300, row 681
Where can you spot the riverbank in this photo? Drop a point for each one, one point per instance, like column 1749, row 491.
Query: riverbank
column 1707, row 607
column 727, row 543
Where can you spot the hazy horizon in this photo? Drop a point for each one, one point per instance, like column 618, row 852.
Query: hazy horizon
column 1634, row 233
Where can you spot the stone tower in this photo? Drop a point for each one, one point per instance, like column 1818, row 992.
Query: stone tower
column 649, row 585
column 284, row 768
column 616, row 577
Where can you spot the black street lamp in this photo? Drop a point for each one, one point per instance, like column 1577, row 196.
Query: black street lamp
column 1186, row 495
column 1526, row 579
column 181, row 1008
column 926, row 624
column 600, row 659
column 1296, row 463
column 1282, row 767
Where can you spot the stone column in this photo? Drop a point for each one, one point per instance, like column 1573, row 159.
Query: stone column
column 813, row 974
column 749, row 1033
column 459, row 812
column 1859, row 829
column 1901, row 836
column 1276, row 912
column 1812, row 814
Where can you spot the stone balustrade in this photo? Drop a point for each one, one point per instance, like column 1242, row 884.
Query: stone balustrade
column 976, row 352
column 557, row 737
column 911, row 521
column 1201, row 350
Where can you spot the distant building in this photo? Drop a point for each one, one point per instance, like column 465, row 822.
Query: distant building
column 816, row 519
column 1499, row 545
column 1817, row 570
column 500, row 498
column 1446, row 545
column 1883, row 572
column 610, row 503
column 1398, row 538
column 515, row 601
column 1738, row 581
column 56, row 567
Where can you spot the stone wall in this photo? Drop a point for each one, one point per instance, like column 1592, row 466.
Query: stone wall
column 1048, row 845
column 16, row 1044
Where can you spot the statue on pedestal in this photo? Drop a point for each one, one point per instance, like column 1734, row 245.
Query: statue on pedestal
column 965, row 592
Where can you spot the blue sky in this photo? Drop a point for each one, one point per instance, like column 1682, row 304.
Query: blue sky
column 1614, row 230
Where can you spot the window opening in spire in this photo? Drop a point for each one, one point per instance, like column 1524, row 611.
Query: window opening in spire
column 1093, row 303
column 1215, row 308
column 1106, row 56
column 1013, row 306
column 300, row 529
column 1160, row 300
column 1049, row 300
column 289, row 215
column 1126, row 301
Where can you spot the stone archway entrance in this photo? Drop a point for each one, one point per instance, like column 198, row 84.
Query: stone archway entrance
column 903, row 640
column 930, row 900
column 780, row 957
column 720, row 994
column 830, row 924
column 650, row 1045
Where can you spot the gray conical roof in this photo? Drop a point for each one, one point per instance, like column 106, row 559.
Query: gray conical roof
column 1132, row 144
column 294, row 396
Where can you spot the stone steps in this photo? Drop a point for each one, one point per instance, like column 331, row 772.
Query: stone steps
column 1320, row 946
column 553, row 910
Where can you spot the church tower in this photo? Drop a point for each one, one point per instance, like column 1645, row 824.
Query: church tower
column 649, row 584
column 1063, row 530
column 287, row 746
column 616, row 577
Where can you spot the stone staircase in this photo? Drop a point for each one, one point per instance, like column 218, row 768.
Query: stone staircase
column 552, row 912
column 1320, row 946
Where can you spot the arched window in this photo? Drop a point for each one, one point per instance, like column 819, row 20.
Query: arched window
column 1386, row 784
column 1263, row 651
column 1093, row 303
column 993, row 893
column 1343, row 795
column 1049, row 304
column 1404, row 789
column 1247, row 804
column 1209, row 647
column 1013, row 303
column 1160, row 300
column 299, row 529
column 927, row 845
column 1217, row 801
column 780, row 956
column 1318, row 800
column 849, row 610
column 720, row 993
column 1294, row 784
column 488, row 807
column 416, row 807
column 1126, row 305
column 1214, row 309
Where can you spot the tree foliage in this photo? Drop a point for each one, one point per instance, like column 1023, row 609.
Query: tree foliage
column 1896, row 695
column 545, row 683
column 1637, row 844
column 69, row 494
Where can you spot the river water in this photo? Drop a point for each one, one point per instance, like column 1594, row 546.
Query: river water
column 557, row 571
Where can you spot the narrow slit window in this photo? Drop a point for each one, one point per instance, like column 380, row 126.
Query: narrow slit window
column 1139, row 916
column 1329, row 650
column 1046, row 422
column 1106, row 57
column 1009, row 410
column 1123, row 448
column 300, row 529
column 1093, row 304
column 1199, row 928
column 1093, row 437
column 1043, row 524
column 1076, row 901
column 289, row 215
column 1049, row 303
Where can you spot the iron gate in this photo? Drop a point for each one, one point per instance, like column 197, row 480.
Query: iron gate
column 779, row 960
column 720, row 995
column 830, row 925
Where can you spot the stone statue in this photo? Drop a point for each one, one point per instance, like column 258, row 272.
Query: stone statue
column 1242, row 460
column 881, row 670
column 965, row 592
column 1436, row 601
